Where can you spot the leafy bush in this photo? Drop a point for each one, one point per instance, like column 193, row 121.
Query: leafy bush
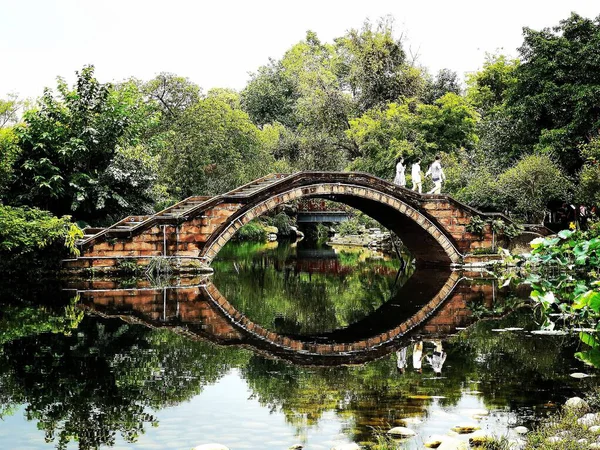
column 252, row 231
column 283, row 222
column 588, row 191
column 35, row 237
column 527, row 187
column 355, row 222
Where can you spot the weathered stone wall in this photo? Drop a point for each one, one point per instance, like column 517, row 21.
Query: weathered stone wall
column 185, row 240
column 453, row 218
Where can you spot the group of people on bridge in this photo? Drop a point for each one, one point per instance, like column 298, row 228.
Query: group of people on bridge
column 435, row 171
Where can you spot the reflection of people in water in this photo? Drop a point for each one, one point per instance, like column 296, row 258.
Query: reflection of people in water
column 402, row 359
column 438, row 358
column 418, row 356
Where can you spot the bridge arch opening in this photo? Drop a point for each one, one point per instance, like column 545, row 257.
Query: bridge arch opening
column 424, row 240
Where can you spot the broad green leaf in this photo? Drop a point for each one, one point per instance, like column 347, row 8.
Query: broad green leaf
column 537, row 242
column 589, row 339
column 565, row 234
column 590, row 357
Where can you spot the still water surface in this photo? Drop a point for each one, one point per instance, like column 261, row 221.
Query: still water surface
column 283, row 345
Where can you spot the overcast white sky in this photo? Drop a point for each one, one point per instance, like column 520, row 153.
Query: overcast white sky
column 216, row 43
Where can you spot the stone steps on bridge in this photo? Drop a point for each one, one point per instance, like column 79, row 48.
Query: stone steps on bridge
column 256, row 186
column 177, row 211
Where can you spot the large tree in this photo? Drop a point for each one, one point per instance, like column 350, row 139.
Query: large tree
column 73, row 151
column 557, row 90
column 374, row 65
column 213, row 147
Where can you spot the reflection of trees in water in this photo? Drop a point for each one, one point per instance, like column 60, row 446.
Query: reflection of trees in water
column 101, row 380
column 514, row 367
column 275, row 289
column 510, row 370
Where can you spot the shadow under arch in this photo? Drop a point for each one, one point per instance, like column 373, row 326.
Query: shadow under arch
column 428, row 242
column 201, row 312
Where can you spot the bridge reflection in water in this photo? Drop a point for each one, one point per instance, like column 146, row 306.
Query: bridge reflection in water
column 430, row 305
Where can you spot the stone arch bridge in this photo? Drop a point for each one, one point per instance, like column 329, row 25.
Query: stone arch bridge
column 191, row 232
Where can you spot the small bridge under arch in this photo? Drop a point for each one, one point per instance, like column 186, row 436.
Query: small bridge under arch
column 191, row 232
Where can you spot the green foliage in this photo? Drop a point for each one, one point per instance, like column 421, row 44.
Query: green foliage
column 556, row 91
column 509, row 230
column 357, row 222
column 211, row 149
column 19, row 322
column 252, row 231
column 563, row 271
column 448, row 124
column 588, row 190
column 9, row 150
column 476, row 225
column 270, row 96
column 530, row 185
column 411, row 129
column 68, row 144
column 28, row 230
column 33, row 241
column 283, row 222
column 115, row 371
column 374, row 66
column 171, row 95
column 9, row 110
column 128, row 267
column 446, row 81
column 562, row 424
column 487, row 89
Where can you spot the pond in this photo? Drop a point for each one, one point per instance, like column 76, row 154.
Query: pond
column 285, row 344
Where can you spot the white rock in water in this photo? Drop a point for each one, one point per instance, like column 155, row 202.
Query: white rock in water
column 453, row 444
column 577, row 403
column 434, row 441
column 411, row 421
column 579, row 375
column 521, row 430
column 480, row 437
column 465, row 428
column 402, row 431
column 594, row 429
column 211, row 447
column 352, row 446
column 589, row 419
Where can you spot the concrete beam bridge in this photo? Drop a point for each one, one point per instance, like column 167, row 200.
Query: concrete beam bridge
column 192, row 232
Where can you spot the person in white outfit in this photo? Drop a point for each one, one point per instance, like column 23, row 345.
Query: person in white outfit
column 400, row 178
column 438, row 358
column 402, row 359
column 416, row 176
column 437, row 175
column 418, row 356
